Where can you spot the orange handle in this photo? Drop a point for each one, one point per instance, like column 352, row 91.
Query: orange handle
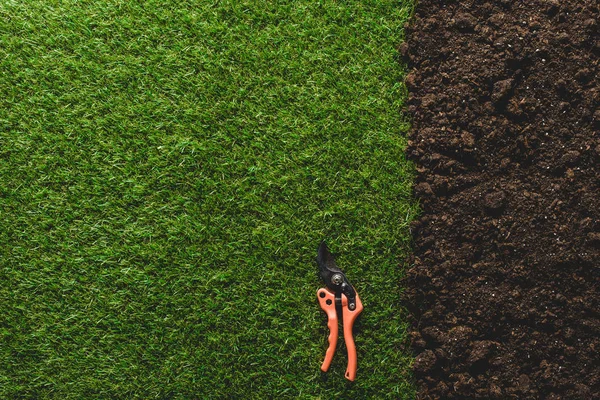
column 327, row 303
column 349, row 317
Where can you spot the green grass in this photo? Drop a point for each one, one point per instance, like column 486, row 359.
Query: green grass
column 167, row 171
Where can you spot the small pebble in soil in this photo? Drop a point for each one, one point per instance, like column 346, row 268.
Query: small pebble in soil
column 502, row 90
column 425, row 361
column 593, row 238
column 570, row 157
column 423, row 189
column 495, row 201
column 465, row 22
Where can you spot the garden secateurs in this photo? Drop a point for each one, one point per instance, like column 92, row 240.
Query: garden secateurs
column 337, row 298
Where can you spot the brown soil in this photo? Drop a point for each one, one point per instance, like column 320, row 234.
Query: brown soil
column 504, row 97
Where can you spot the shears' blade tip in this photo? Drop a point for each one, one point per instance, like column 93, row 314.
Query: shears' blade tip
column 325, row 259
column 322, row 247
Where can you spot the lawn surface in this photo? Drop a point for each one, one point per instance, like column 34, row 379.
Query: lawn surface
column 166, row 174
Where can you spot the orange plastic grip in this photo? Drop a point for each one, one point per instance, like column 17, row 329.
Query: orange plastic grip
column 327, row 303
column 349, row 317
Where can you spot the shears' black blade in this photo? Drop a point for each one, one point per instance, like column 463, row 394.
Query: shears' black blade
column 333, row 277
column 326, row 263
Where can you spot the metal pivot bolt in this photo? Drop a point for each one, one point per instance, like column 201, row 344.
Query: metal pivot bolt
column 337, row 279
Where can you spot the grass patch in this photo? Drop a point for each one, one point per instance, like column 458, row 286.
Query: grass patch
column 167, row 171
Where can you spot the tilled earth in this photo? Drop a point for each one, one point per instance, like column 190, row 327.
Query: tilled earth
column 504, row 287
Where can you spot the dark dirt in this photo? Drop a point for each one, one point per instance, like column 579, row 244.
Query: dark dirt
column 504, row 287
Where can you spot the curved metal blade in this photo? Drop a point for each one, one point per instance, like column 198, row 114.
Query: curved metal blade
column 333, row 277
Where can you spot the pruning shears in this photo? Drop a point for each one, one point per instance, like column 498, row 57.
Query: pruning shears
column 338, row 298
